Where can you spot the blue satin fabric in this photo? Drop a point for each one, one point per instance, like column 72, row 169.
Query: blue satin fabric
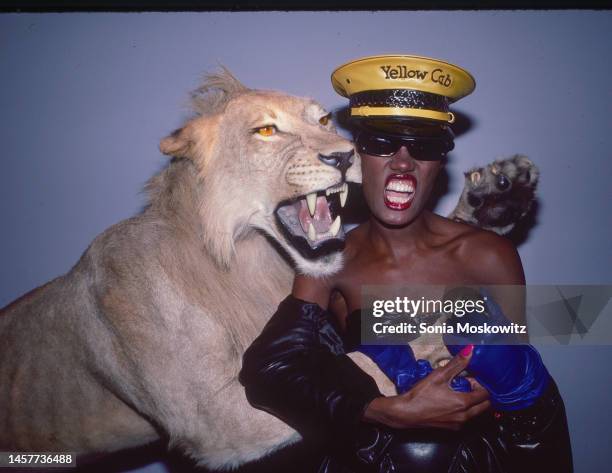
column 514, row 374
column 400, row 366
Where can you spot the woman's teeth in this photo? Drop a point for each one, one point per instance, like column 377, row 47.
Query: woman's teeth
column 400, row 186
column 398, row 200
column 400, row 191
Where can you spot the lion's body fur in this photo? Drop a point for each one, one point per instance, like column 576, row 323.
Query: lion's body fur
column 145, row 331
column 144, row 336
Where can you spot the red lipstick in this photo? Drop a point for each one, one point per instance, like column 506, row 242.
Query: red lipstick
column 399, row 191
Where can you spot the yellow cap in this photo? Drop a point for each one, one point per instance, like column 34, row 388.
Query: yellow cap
column 399, row 86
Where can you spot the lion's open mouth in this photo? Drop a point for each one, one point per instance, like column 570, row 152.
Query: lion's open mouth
column 312, row 223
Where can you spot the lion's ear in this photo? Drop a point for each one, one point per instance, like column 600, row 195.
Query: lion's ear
column 178, row 143
column 194, row 141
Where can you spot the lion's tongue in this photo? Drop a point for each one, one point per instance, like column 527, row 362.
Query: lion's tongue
column 321, row 219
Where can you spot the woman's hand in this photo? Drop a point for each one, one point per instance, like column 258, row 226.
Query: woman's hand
column 432, row 402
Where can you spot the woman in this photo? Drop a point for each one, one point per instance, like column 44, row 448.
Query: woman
column 296, row 368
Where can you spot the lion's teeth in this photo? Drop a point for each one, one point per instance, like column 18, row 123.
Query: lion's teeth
column 311, row 200
column 312, row 234
column 343, row 195
column 335, row 227
column 334, row 189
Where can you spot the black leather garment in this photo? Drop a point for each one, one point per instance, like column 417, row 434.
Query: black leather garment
column 297, row 370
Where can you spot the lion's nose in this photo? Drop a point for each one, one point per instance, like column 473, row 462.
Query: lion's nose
column 342, row 161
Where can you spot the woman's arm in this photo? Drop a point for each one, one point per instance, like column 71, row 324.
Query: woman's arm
column 297, row 370
column 298, row 362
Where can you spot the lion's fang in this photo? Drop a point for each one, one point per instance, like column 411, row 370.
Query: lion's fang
column 312, row 234
column 343, row 196
column 311, row 200
column 335, row 227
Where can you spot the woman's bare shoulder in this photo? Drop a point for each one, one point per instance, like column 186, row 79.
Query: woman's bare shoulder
column 488, row 254
column 492, row 256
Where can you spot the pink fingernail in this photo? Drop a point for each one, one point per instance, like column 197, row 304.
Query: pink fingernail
column 466, row 351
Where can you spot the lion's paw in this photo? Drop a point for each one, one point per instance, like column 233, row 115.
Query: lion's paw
column 497, row 196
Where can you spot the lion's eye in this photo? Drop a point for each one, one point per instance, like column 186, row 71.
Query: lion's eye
column 324, row 120
column 267, row 130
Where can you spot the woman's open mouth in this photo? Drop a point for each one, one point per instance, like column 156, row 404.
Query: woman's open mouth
column 399, row 191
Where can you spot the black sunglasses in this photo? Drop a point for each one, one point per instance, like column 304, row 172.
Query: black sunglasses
column 420, row 148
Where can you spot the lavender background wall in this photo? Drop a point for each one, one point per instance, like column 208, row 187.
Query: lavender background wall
column 85, row 99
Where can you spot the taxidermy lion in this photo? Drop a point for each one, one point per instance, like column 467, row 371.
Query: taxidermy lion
column 143, row 338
